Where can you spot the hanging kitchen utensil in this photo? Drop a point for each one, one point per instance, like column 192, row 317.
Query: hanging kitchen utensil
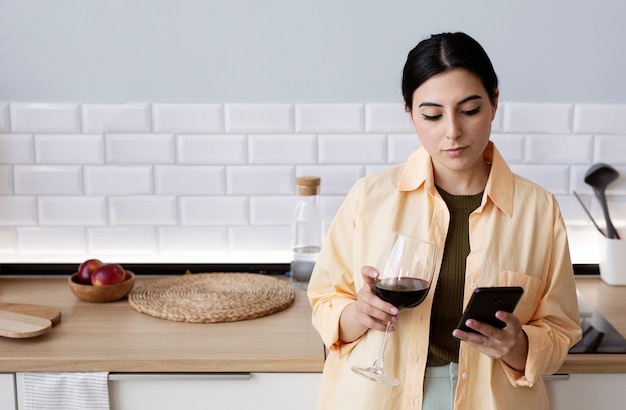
column 599, row 176
column 589, row 214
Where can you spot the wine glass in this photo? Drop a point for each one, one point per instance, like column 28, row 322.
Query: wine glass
column 406, row 270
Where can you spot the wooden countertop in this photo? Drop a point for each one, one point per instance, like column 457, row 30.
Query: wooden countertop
column 113, row 337
column 610, row 301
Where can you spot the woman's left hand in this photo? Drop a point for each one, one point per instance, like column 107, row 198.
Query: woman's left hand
column 509, row 344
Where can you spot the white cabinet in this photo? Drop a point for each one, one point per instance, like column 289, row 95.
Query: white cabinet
column 587, row 391
column 233, row 391
column 7, row 391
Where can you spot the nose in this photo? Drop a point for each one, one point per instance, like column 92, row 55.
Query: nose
column 453, row 128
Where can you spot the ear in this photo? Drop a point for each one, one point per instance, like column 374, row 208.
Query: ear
column 495, row 104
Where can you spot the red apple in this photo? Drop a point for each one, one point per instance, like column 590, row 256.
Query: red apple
column 108, row 274
column 86, row 269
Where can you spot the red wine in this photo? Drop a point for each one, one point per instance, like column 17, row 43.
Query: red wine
column 402, row 292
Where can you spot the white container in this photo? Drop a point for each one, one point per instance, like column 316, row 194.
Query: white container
column 613, row 261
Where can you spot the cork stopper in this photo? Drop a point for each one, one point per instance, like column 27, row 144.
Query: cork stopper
column 308, row 185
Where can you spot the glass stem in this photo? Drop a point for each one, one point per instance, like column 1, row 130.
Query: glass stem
column 378, row 363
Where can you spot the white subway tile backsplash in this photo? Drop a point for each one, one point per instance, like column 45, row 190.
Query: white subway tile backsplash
column 610, row 149
column 118, row 241
column 16, row 149
column 5, row 125
column 51, row 240
column 260, row 180
column 143, row 210
column 216, row 182
column 139, row 148
column 8, row 241
column 48, row 180
column 104, row 118
column 260, row 238
column 190, row 180
column 72, row 210
column 212, row 149
column 188, row 118
column 69, row 149
column 282, row 149
column 40, row 118
column 272, row 210
column 600, row 118
column 6, row 180
column 532, row 117
column 18, row 210
column 387, row 118
column 118, row 180
column 258, row 118
column 215, row 210
column 188, row 240
column 559, row 148
column 400, row 147
column 511, row 146
column 330, row 118
column 352, row 149
column 554, row 178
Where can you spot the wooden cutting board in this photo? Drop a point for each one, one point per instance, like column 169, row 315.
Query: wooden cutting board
column 46, row 312
column 19, row 320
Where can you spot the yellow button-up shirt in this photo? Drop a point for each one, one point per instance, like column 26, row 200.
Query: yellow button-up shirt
column 517, row 238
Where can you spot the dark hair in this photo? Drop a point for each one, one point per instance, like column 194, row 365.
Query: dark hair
column 442, row 53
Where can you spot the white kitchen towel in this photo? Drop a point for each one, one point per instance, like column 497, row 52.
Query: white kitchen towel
column 66, row 391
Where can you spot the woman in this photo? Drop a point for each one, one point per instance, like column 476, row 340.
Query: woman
column 492, row 228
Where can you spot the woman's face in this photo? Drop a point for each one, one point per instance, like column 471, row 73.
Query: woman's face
column 452, row 115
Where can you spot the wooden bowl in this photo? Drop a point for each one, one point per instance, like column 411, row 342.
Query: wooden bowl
column 102, row 294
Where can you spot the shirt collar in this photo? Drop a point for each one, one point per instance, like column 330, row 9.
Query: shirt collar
column 418, row 172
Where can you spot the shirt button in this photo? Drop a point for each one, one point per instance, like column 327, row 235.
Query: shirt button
column 472, row 285
column 464, row 375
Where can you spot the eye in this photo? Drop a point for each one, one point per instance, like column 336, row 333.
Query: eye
column 431, row 117
column 472, row 111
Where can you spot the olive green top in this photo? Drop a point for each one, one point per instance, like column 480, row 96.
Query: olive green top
column 448, row 300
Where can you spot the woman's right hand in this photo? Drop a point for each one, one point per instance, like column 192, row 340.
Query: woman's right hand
column 371, row 311
column 368, row 312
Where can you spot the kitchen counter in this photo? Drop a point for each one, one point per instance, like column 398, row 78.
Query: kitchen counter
column 610, row 301
column 113, row 337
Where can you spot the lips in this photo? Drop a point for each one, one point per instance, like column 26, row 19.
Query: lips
column 455, row 152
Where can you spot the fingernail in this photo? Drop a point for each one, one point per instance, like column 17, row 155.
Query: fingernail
column 394, row 311
column 394, row 318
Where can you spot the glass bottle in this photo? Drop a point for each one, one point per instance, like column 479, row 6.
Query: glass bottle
column 308, row 231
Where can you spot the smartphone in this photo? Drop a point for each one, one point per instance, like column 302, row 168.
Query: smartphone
column 485, row 302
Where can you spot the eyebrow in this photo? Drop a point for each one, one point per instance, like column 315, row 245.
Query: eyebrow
column 464, row 100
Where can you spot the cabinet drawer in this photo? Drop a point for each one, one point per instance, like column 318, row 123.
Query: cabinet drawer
column 275, row 391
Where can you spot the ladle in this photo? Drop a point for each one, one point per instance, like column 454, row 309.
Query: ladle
column 599, row 176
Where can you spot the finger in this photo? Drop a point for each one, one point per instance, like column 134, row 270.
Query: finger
column 510, row 320
column 369, row 274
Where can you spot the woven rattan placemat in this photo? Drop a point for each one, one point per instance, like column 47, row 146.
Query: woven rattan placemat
column 212, row 297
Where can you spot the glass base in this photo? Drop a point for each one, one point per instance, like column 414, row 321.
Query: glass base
column 377, row 375
column 300, row 284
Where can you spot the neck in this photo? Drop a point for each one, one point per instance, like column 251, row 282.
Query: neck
column 467, row 182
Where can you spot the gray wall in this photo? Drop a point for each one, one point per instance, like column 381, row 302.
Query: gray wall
column 298, row 51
